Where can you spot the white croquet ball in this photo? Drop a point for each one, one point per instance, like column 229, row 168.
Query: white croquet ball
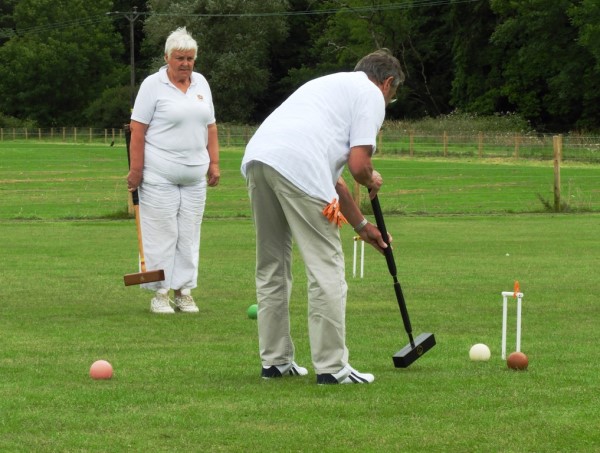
column 479, row 353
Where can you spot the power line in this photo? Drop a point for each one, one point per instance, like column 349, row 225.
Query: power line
column 343, row 10
column 9, row 33
column 38, row 29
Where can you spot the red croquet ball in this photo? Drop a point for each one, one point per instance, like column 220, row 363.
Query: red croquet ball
column 517, row 361
column 101, row 369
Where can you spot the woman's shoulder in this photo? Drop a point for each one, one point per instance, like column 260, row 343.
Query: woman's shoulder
column 200, row 84
column 198, row 78
column 156, row 77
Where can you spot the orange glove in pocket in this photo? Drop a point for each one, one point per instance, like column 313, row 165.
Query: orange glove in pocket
column 333, row 213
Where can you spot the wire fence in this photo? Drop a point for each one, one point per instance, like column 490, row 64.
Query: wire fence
column 64, row 134
column 575, row 147
column 410, row 143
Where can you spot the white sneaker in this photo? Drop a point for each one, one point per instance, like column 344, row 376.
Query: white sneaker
column 185, row 304
column 346, row 375
column 289, row 369
column 161, row 303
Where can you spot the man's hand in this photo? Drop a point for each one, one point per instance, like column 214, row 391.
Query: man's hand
column 375, row 185
column 370, row 234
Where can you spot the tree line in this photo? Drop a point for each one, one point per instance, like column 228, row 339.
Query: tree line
column 67, row 62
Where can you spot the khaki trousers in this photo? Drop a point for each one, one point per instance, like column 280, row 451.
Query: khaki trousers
column 282, row 212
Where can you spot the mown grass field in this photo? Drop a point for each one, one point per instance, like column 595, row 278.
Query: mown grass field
column 58, row 181
column 191, row 383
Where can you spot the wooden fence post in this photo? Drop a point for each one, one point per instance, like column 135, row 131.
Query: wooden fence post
column 517, row 143
column 480, row 144
column 411, row 141
column 445, row 144
column 557, row 144
column 356, row 193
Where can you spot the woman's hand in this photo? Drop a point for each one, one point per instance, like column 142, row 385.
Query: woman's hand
column 214, row 174
column 134, row 179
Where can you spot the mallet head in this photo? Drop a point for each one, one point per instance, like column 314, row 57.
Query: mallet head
column 144, row 277
column 408, row 354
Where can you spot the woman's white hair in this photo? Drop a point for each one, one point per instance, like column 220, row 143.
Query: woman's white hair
column 180, row 39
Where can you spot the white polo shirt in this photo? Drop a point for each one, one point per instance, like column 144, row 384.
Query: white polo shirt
column 177, row 121
column 308, row 138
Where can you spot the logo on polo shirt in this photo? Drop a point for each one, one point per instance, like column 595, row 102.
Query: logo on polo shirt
column 200, row 98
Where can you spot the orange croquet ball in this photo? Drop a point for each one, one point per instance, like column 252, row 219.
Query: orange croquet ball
column 517, row 361
column 101, row 369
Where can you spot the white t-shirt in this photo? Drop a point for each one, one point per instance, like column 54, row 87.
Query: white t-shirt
column 177, row 121
column 308, row 138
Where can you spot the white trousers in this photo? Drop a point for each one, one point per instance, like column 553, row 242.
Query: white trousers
column 172, row 201
column 281, row 211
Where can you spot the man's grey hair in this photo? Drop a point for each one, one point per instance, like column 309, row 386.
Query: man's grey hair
column 180, row 39
column 380, row 65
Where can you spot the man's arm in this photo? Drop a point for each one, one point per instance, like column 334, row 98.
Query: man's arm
column 361, row 168
column 367, row 231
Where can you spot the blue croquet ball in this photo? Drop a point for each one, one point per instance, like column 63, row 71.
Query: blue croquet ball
column 252, row 311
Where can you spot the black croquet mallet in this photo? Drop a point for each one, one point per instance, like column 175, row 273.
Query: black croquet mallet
column 424, row 342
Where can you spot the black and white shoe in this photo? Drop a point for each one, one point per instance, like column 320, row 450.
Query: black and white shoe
column 288, row 369
column 346, row 375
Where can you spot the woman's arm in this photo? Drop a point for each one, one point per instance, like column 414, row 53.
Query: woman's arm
column 136, row 154
column 214, row 173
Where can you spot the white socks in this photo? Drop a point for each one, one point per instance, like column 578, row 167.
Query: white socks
column 184, row 292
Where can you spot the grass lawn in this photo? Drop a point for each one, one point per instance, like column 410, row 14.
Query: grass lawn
column 191, row 382
column 58, row 181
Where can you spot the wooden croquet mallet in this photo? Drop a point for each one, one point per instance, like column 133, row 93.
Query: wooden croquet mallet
column 144, row 276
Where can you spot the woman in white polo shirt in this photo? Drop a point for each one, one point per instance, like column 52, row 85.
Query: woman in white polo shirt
column 174, row 157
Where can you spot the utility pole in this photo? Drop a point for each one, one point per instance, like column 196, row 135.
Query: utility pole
column 131, row 17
